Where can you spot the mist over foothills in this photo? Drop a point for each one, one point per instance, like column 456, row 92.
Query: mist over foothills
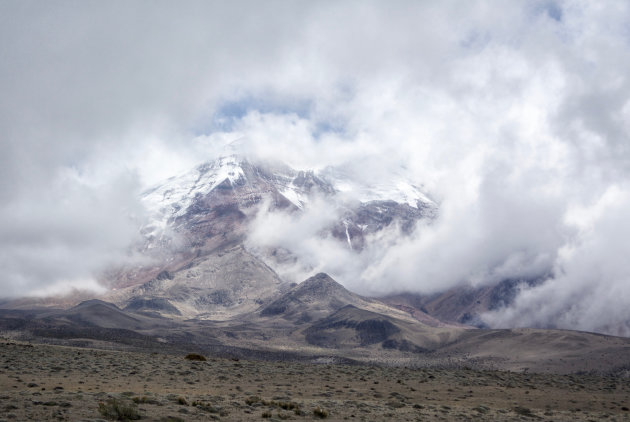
column 512, row 117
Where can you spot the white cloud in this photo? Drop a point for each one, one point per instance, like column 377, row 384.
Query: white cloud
column 591, row 281
column 65, row 231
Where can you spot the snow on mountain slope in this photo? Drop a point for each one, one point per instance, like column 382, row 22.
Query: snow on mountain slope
column 171, row 200
column 395, row 187
column 237, row 183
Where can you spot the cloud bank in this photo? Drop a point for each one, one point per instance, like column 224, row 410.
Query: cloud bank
column 515, row 117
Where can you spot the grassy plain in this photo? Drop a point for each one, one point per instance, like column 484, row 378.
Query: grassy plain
column 44, row 382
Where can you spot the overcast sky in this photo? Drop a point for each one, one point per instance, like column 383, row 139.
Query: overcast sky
column 515, row 115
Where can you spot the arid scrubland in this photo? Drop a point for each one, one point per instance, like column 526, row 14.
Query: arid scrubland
column 42, row 382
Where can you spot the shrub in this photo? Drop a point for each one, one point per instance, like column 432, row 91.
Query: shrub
column 118, row 411
column 318, row 412
column 523, row 411
column 252, row 400
column 196, row 356
column 145, row 399
column 289, row 405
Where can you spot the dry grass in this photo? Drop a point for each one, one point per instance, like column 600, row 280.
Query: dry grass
column 60, row 383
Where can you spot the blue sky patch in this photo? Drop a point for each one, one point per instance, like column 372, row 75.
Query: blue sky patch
column 229, row 112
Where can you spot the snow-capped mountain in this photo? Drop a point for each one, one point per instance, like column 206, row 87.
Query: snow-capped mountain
column 200, row 222
column 229, row 183
column 172, row 198
column 220, row 194
column 209, row 209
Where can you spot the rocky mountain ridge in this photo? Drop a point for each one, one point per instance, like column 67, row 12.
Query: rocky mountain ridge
column 343, row 328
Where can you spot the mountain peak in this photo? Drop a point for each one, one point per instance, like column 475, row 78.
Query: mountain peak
column 315, row 297
column 94, row 303
column 321, row 285
column 199, row 202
